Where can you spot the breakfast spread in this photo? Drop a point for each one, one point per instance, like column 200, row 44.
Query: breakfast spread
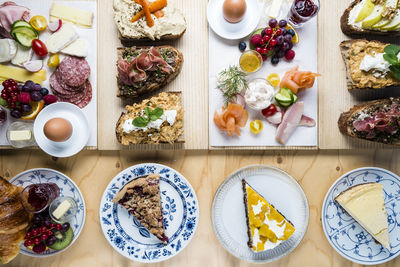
column 371, row 17
column 267, row 228
column 365, row 203
column 144, row 20
column 155, row 120
column 370, row 64
column 142, row 70
column 141, row 197
column 14, row 221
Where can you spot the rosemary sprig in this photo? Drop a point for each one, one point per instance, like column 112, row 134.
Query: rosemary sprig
column 231, row 81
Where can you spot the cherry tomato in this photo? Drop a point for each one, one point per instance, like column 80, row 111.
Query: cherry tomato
column 53, row 61
column 39, row 23
column 256, row 126
column 39, row 48
column 269, row 111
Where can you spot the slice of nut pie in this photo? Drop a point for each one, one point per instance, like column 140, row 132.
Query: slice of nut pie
column 141, row 197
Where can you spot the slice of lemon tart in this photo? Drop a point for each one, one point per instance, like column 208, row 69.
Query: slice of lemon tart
column 364, row 202
column 266, row 226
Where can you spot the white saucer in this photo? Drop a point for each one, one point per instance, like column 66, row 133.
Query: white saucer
column 233, row 31
column 80, row 130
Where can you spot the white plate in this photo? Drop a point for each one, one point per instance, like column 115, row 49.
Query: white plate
column 233, row 31
column 345, row 235
column 67, row 188
column 180, row 210
column 80, row 129
column 278, row 188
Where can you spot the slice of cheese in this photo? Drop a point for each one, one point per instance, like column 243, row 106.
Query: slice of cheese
column 61, row 38
column 23, row 135
column 275, row 8
column 77, row 48
column 71, row 14
column 21, row 75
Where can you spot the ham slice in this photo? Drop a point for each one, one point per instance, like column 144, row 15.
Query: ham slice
column 290, row 121
column 9, row 13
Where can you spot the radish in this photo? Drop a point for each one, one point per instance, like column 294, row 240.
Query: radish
column 276, row 118
column 239, row 99
column 55, row 25
column 34, row 65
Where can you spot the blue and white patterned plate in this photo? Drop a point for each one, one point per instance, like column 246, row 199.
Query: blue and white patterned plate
column 180, row 210
column 346, row 236
column 67, row 188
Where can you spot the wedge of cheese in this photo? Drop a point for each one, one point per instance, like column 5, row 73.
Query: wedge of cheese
column 21, row 75
column 71, row 14
column 61, row 38
column 77, row 48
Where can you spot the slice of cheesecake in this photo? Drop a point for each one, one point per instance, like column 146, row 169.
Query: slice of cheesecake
column 266, row 226
column 365, row 204
column 141, row 197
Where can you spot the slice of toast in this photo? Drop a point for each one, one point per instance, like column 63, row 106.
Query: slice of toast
column 166, row 134
column 346, row 119
column 351, row 30
column 154, row 80
column 345, row 49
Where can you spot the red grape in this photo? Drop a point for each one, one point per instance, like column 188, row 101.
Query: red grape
column 43, row 236
column 39, row 248
column 269, row 31
column 36, row 241
column 28, row 243
column 290, row 54
column 278, row 32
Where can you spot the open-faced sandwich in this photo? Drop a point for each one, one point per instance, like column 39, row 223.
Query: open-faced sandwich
column 377, row 121
column 372, row 17
column 145, row 69
column 146, row 20
column 155, row 120
column 370, row 64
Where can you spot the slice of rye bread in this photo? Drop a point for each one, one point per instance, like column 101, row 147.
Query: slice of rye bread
column 345, row 47
column 346, row 119
column 131, row 92
column 180, row 140
column 354, row 31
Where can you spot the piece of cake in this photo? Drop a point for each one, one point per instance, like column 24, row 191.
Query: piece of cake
column 365, row 204
column 141, row 198
column 266, row 226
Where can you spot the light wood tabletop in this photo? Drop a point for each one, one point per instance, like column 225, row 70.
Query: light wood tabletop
column 92, row 171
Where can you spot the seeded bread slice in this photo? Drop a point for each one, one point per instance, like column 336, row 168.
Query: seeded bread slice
column 152, row 82
column 350, row 30
column 345, row 48
column 346, row 119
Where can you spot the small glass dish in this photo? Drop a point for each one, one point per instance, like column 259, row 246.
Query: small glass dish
column 21, row 126
column 269, row 94
column 250, row 61
column 68, row 214
column 37, row 197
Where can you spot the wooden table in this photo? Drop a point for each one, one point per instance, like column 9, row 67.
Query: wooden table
column 92, row 171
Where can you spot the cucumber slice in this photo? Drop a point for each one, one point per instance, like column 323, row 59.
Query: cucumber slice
column 24, row 35
column 295, row 98
column 281, row 98
column 20, row 23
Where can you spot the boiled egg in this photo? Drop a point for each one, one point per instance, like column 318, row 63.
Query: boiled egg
column 58, row 129
column 234, row 10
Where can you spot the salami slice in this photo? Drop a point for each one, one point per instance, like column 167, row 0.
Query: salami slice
column 73, row 71
column 60, row 88
column 82, row 99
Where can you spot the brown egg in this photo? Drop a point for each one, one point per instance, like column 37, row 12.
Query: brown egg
column 234, row 10
column 58, row 129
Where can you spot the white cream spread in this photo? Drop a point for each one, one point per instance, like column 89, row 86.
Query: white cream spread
column 169, row 116
column 354, row 14
column 259, row 94
column 172, row 23
column 377, row 64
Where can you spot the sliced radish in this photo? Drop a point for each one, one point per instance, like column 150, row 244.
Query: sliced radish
column 276, row 118
column 34, row 65
column 239, row 99
column 55, row 25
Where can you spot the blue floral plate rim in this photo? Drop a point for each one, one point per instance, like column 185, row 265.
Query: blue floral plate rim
column 81, row 215
column 366, row 170
column 130, row 246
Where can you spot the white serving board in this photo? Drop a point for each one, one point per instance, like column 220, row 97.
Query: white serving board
column 223, row 53
column 42, row 7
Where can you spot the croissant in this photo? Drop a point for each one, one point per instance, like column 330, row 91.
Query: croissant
column 14, row 221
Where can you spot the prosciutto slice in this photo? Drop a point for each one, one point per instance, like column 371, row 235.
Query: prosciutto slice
column 9, row 13
column 290, row 121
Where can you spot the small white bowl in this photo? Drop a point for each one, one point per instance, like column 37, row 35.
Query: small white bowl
column 271, row 99
column 80, row 130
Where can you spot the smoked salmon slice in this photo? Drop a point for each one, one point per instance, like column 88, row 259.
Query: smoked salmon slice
column 297, row 80
column 232, row 118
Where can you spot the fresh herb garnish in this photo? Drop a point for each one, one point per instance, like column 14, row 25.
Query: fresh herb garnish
column 150, row 115
column 159, row 74
column 231, row 81
column 391, row 52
